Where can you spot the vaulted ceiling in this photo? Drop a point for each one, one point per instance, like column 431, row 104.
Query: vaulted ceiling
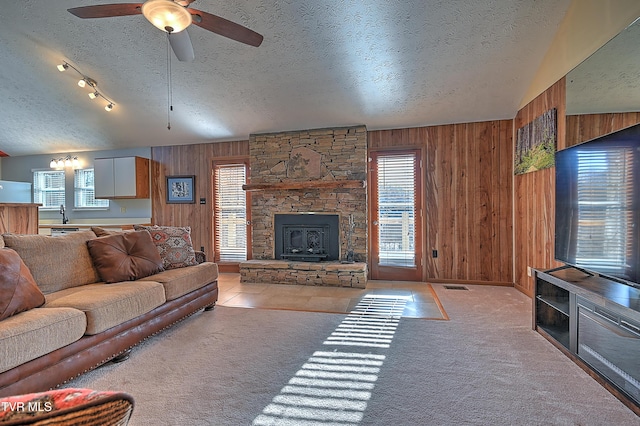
column 381, row 63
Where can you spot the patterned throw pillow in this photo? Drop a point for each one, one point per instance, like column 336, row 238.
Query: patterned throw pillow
column 174, row 245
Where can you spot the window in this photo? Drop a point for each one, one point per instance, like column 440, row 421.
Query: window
column 48, row 189
column 230, row 212
column 396, row 209
column 84, row 192
column 605, row 207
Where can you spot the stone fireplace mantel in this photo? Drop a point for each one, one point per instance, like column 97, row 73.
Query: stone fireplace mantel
column 293, row 185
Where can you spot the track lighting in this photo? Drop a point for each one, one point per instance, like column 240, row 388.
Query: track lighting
column 84, row 82
column 67, row 161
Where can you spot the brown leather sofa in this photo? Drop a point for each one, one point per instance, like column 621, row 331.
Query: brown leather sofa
column 88, row 317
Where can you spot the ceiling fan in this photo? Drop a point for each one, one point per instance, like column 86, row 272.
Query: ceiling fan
column 174, row 17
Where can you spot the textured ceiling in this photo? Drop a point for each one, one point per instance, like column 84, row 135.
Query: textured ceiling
column 608, row 80
column 381, row 63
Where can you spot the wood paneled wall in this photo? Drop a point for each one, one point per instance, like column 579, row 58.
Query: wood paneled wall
column 189, row 160
column 468, row 197
column 534, row 197
column 582, row 128
column 534, row 193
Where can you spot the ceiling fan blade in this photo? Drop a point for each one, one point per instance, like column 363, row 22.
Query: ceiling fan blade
column 181, row 45
column 107, row 10
column 225, row 28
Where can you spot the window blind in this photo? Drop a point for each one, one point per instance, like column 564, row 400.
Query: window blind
column 230, row 213
column 48, row 189
column 84, row 191
column 396, row 209
column 605, row 203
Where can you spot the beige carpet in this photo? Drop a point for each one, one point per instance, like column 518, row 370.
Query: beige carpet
column 485, row 366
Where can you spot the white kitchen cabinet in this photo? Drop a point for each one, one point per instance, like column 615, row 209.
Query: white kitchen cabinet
column 122, row 177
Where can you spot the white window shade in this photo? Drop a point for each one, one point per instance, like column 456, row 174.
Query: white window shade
column 48, row 189
column 396, row 209
column 230, row 213
column 84, row 191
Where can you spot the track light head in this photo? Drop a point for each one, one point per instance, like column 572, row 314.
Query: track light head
column 82, row 82
column 108, row 108
column 63, row 67
column 94, row 95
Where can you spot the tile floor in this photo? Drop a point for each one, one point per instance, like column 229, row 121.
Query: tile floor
column 422, row 301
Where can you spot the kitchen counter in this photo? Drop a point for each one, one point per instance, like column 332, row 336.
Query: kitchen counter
column 50, row 227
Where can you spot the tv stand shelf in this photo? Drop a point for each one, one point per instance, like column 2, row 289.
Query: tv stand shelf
column 576, row 311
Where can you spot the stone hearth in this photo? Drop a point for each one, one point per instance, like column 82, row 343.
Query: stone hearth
column 320, row 171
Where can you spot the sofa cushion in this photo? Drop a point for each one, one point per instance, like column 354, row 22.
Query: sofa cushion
column 18, row 290
column 108, row 305
column 125, row 257
column 174, row 245
column 178, row 282
column 57, row 262
column 38, row 332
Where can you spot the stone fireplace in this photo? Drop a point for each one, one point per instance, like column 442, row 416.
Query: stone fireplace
column 305, row 178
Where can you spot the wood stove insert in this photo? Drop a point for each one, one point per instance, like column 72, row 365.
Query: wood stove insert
column 307, row 237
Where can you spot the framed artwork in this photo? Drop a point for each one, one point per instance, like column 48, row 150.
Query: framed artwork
column 181, row 190
column 536, row 144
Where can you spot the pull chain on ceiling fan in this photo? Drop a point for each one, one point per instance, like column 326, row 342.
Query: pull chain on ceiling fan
column 169, row 84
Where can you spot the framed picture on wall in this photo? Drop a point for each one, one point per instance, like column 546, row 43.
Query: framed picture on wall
column 181, row 189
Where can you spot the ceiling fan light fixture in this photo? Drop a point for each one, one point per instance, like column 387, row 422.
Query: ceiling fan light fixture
column 166, row 15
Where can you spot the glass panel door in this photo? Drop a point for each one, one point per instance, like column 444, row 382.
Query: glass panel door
column 396, row 209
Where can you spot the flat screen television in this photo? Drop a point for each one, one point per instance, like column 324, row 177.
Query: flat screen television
column 597, row 227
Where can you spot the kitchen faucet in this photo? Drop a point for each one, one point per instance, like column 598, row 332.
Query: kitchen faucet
column 65, row 219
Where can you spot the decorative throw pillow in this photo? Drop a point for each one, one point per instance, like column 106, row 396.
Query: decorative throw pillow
column 18, row 290
column 173, row 243
column 101, row 232
column 125, row 257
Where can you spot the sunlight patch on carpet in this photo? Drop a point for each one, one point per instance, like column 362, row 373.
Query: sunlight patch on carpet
column 333, row 387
